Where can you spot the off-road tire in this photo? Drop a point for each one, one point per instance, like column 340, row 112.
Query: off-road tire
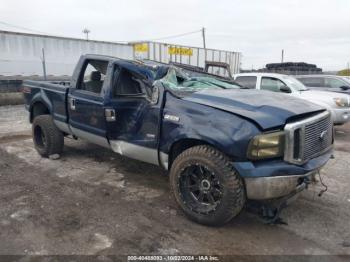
column 233, row 197
column 48, row 139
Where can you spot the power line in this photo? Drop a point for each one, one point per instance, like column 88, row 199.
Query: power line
column 22, row 28
column 150, row 39
column 174, row 36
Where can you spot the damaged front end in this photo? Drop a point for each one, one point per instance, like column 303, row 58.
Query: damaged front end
column 308, row 147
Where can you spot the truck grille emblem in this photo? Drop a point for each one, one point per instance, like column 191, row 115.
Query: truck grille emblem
column 323, row 135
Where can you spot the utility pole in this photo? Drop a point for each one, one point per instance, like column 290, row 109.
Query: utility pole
column 282, row 58
column 44, row 63
column 204, row 45
column 86, row 31
column 203, row 35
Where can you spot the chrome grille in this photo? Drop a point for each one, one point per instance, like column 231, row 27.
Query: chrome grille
column 308, row 138
column 318, row 137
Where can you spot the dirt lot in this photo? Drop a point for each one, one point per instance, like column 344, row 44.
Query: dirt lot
column 92, row 201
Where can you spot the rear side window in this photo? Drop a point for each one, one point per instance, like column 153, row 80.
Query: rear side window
column 312, row 81
column 247, row 81
column 271, row 84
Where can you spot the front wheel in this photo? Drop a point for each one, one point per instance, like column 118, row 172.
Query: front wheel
column 206, row 186
column 48, row 139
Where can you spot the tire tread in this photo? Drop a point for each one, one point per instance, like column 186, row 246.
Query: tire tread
column 55, row 138
column 233, row 182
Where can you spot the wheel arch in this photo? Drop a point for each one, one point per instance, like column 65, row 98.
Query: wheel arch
column 38, row 108
column 183, row 144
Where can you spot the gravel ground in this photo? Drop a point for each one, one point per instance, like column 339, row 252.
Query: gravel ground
column 92, row 201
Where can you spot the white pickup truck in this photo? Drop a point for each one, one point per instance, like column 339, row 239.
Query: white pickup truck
column 338, row 104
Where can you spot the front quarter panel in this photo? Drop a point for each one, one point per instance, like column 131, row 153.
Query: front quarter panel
column 227, row 132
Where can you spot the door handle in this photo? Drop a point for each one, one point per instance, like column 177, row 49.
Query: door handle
column 72, row 103
column 110, row 115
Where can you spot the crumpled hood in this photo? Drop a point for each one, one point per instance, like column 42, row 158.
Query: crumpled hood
column 265, row 108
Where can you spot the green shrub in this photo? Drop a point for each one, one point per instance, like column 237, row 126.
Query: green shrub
column 345, row 72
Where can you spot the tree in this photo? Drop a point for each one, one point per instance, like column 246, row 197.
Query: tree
column 345, row 72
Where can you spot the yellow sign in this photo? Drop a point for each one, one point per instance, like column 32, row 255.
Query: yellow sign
column 173, row 50
column 142, row 47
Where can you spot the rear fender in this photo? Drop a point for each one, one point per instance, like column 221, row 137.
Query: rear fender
column 41, row 98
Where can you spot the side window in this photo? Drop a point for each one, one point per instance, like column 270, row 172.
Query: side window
column 271, row 84
column 334, row 83
column 312, row 81
column 93, row 76
column 247, row 81
column 128, row 83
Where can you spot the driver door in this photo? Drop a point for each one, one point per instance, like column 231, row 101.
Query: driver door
column 132, row 119
column 273, row 84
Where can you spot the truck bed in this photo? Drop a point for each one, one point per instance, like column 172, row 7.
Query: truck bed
column 54, row 94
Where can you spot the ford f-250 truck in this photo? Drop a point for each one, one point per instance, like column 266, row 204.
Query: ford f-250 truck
column 221, row 144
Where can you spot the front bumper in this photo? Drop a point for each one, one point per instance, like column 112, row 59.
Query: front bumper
column 276, row 178
column 263, row 188
column 341, row 115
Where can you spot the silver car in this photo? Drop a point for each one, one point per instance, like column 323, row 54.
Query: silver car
column 330, row 83
column 337, row 103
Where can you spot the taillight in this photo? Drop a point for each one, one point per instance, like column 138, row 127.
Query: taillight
column 26, row 90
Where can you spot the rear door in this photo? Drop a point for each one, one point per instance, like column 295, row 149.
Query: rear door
column 86, row 103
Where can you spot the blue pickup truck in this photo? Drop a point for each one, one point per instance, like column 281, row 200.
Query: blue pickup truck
column 222, row 144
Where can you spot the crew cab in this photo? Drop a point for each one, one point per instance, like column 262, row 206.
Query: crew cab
column 338, row 104
column 220, row 143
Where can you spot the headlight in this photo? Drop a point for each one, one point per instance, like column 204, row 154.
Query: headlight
column 266, row 146
column 341, row 102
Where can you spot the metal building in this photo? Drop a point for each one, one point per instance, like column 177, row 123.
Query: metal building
column 21, row 54
column 194, row 56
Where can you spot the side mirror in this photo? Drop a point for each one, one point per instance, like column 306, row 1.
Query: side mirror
column 285, row 89
column 345, row 87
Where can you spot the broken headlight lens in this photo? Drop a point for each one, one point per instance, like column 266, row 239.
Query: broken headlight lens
column 266, row 146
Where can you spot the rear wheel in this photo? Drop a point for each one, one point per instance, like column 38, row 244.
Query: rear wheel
column 206, row 186
column 48, row 139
